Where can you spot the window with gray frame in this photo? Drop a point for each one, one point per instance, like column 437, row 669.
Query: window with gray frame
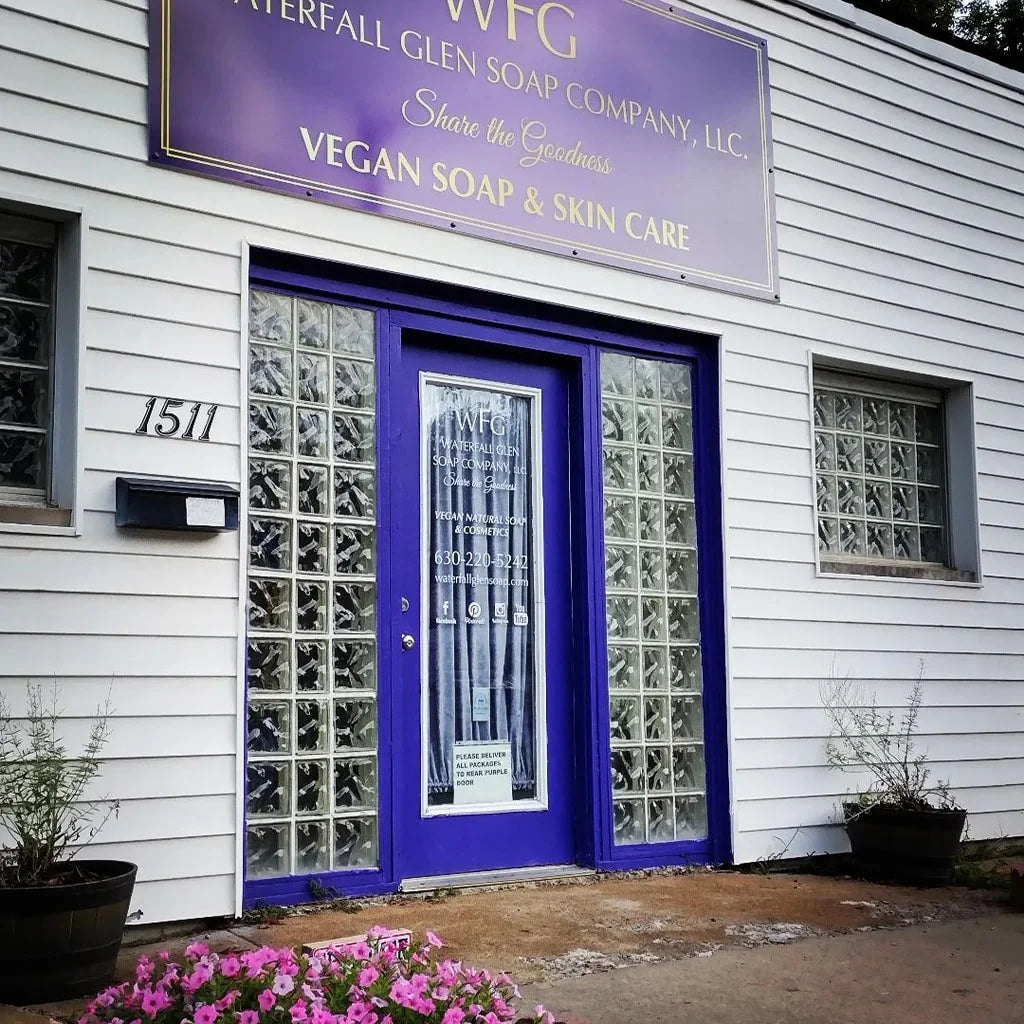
column 27, row 289
column 880, row 472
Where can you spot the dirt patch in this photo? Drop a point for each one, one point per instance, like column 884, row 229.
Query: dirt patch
column 539, row 931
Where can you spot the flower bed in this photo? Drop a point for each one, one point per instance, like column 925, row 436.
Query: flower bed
column 369, row 983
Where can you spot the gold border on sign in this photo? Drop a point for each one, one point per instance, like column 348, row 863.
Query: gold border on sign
column 206, row 160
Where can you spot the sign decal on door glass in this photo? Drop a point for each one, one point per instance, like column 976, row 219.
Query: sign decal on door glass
column 483, row 773
column 481, row 660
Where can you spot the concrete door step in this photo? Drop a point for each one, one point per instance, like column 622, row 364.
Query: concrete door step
column 503, row 876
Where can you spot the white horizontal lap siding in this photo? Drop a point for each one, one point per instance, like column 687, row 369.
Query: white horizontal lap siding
column 128, row 697
column 148, row 620
column 900, row 231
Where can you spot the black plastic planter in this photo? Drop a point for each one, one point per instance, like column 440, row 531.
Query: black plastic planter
column 915, row 847
column 61, row 941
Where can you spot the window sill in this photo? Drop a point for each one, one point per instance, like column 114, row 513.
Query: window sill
column 895, row 571
column 35, row 519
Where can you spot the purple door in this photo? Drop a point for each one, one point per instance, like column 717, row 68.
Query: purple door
column 484, row 696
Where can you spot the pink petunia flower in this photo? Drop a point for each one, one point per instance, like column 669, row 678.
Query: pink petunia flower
column 434, row 941
column 248, row 1017
column 206, row 1015
column 283, row 984
column 201, row 975
column 359, row 1013
column 197, row 950
column 453, row 1016
column 298, row 1013
column 448, row 971
column 267, row 1000
column 154, row 1001
column 230, row 966
column 227, row 1000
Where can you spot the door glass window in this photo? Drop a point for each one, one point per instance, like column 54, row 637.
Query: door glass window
column 482, row 661
column 654, row 655
column 311, row 786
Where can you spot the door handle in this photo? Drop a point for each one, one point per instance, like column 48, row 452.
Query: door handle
column 408, row 641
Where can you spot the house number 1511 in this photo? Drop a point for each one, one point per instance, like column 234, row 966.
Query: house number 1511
column 169, row 422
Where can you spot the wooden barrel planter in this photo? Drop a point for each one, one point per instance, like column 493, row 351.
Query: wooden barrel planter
column 61, row 941
column 910, row 846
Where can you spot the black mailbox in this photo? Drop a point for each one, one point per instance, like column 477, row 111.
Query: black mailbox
column 191, row 505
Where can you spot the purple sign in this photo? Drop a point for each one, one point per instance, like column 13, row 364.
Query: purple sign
column 627, row 132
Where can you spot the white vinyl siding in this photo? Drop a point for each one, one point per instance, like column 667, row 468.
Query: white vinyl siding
column 901, row 235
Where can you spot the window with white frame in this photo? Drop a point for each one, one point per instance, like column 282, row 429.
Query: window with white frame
column 27, row 292
column 880, row 457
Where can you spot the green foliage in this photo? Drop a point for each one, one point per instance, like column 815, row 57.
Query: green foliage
column 995, row 28
column 262, row 915
column 332, row 898
column 42, row 789
column 986, row 864
column 441, row 895
column 868, row 738
column 994, row 25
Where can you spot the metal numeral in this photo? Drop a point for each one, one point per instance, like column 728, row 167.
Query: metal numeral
column 169, row 424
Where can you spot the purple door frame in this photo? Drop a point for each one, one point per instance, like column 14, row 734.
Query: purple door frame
column 576, row 341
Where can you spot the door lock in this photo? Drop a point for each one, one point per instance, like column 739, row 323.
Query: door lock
column 408, row 641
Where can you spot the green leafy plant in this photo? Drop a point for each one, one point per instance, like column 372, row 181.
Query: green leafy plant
column 263, row 915
column 331, row 898
column 868, row 738
column 43, row 808
column 987, row 863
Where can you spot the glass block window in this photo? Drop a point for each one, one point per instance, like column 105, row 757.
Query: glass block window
column 654, row 655
column 879, row 460
column 311, row 792
column 27, row 279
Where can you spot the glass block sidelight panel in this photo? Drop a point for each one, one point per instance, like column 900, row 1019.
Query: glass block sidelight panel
column 654, row 662
column 267, row 851
column 879, row 474
column 311, row 773
column 312, row 847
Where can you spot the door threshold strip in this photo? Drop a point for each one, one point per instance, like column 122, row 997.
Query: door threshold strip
column 503, row 876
